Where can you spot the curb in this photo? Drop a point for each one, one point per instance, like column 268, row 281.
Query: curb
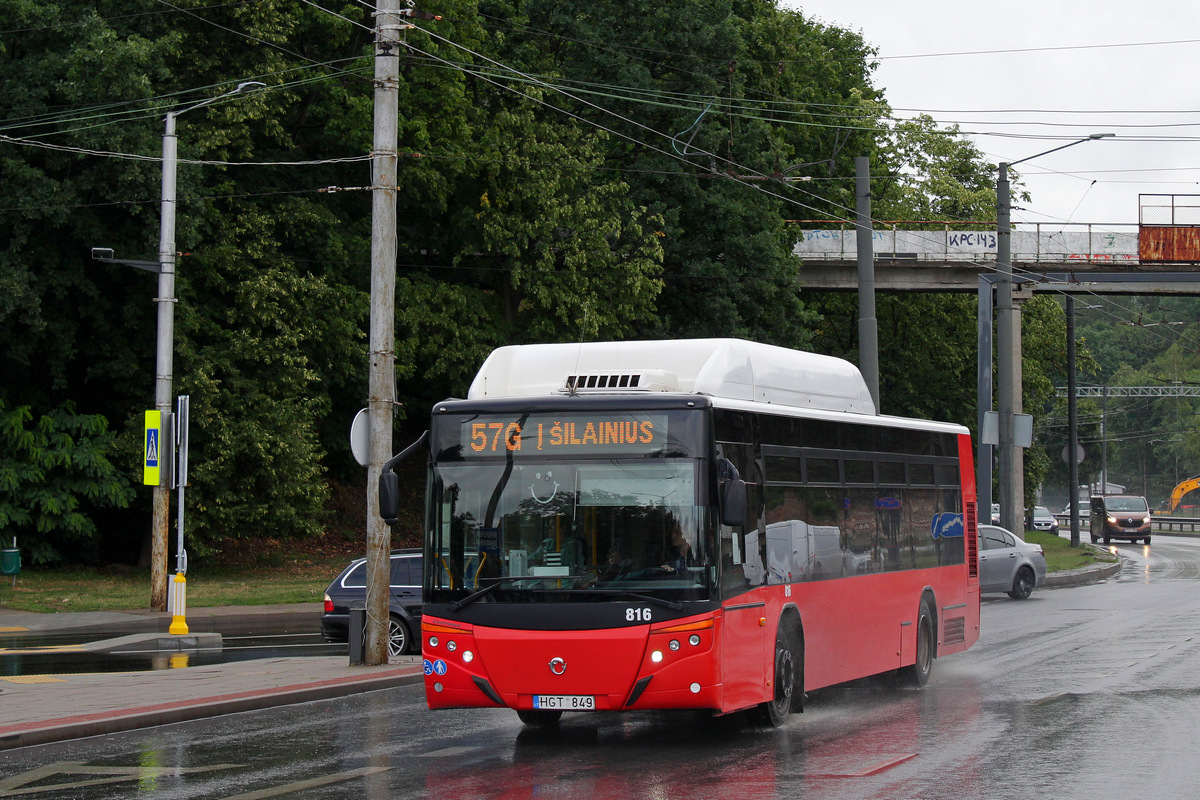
column 62, row 729
column 1082, row 576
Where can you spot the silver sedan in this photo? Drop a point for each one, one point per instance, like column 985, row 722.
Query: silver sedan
column 1008, row 564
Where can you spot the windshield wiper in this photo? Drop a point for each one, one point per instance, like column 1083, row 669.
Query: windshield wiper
column 471, row 598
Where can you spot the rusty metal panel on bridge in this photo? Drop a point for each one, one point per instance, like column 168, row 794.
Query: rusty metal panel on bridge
column 1169, row 243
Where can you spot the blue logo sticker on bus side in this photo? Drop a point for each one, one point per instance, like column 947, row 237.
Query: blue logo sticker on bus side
column 439, row 667
column 427, row 665
column 947, row 525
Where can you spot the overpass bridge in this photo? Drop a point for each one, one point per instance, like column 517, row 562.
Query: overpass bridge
column 1159, row 255
column 1129, row 259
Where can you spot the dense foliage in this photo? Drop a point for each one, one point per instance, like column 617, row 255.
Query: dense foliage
column 1148, row 444
column 568, row 171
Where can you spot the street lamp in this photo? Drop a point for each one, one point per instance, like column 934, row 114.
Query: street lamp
column 1008, row 350
column 165, row 348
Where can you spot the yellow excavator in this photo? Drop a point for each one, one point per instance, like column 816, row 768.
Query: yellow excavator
column 1179, row 491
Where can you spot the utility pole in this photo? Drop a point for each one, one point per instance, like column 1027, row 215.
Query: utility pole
column 1008, row 367
column 382, row 367
column 1072, row 425
column 164, row 360
column 1008, row 351
column 868, row 334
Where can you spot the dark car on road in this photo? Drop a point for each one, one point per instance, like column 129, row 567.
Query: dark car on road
column 1120, row 516
column 1009, row 564
column 404, row 601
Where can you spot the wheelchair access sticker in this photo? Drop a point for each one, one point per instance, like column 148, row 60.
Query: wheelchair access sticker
column 434, row 667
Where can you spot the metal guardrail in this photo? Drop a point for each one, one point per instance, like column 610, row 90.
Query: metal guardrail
column 1175, row 524
column 1158, row 524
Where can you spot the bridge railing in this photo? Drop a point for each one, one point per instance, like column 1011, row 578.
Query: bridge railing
column 830, row 240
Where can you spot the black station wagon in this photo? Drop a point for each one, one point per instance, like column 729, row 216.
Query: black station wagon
column 404, row 603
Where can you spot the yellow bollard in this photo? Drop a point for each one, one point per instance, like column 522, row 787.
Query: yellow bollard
column 178, row 602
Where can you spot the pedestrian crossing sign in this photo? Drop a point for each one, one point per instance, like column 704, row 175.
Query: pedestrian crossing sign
column 151, row 471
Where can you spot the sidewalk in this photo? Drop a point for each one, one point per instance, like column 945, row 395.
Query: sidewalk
column 38, row 709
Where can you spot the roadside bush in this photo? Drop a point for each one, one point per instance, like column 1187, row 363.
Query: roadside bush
column 53, row 473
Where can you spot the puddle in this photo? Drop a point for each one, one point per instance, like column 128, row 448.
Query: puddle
column 236, row 648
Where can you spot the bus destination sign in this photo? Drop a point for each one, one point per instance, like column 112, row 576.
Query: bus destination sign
column 573, row 434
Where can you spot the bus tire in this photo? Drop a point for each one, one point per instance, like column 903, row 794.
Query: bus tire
column 917, row 674
column 539, row 717
column 773, row 713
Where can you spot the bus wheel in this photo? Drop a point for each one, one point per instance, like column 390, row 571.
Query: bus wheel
column 538, row 716
column 773, row 713
column 918, row 673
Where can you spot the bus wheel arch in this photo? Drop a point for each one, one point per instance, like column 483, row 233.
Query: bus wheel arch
column 787, row 679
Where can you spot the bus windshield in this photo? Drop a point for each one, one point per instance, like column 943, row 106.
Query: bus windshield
column 548, row 531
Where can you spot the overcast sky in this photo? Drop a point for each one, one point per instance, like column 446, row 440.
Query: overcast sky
column 1070, row 69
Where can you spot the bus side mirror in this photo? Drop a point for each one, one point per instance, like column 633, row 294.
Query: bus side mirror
column 733, row 503
column 389, row 497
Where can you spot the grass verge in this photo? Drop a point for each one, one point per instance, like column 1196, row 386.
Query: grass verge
column 262, row 572
column 115, row 589
column 1061, row 556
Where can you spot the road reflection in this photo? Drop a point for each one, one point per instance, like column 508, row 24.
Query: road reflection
column 850, row 739
column 49, row 655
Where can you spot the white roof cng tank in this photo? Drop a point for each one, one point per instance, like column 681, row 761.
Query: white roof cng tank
column 723, row 368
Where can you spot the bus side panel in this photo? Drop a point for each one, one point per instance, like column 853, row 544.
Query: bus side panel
column 866, row 624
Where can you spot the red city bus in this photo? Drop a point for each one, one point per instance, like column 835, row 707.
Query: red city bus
column 702, row 524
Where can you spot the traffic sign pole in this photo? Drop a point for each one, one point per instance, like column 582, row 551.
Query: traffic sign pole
column 178, row 591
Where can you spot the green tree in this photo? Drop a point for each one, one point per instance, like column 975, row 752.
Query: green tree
column 54, row 475
column 932, row 173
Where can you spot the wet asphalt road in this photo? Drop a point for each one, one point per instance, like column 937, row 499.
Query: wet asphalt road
column 1088, row 693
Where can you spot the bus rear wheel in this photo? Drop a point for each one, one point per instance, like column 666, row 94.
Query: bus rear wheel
column 538, row 716
column 774, row 712
column 918, row 674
